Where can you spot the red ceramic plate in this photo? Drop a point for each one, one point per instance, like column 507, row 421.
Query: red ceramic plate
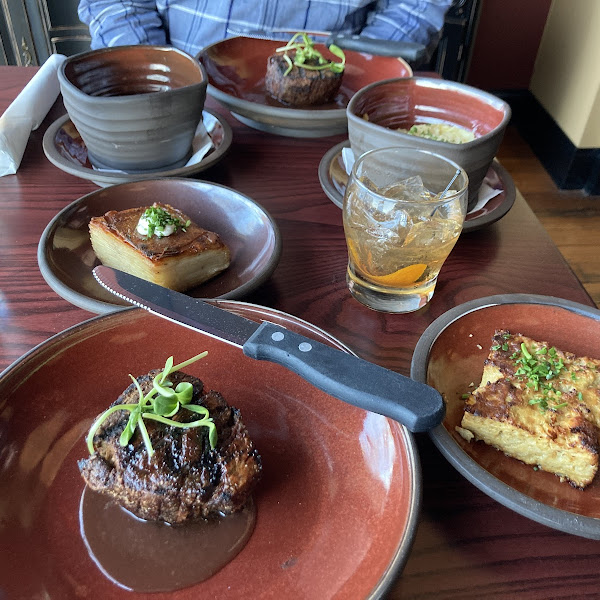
column 336, row 508
column 450, row 355
column 236, row 73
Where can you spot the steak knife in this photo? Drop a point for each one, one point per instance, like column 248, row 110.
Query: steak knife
column 410, row 51
column 344, row 376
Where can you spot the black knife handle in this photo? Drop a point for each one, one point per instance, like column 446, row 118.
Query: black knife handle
column 407, row 50
column 349, row 378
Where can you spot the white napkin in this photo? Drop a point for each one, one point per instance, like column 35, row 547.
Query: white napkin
column 26, row 112
column 486, row 192
column 203, row 143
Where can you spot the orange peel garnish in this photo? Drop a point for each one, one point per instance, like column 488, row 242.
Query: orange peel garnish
column 401, row 277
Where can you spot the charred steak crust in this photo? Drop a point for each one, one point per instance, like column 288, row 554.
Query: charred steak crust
column 185, row 480
column 300, row 87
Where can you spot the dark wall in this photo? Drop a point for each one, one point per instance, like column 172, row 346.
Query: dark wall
column 506, row 43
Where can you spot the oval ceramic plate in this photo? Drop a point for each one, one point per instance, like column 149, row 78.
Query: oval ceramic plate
column 236, row 77
column 333, row 178
column 66, row 257
column 337, row 505
column 449, row 356
column 65, row 149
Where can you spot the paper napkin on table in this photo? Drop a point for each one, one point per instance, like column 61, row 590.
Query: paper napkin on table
column 486, row 192
column 26, row 113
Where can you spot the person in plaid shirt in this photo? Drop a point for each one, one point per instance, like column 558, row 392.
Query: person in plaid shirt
column 190, row 25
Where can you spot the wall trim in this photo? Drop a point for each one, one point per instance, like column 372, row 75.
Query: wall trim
column 570, row 167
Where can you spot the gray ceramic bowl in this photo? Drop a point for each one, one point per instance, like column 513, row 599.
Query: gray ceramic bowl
column 136, row 107
column 400, row 103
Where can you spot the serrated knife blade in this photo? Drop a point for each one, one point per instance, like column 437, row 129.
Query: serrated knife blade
column 344, row 376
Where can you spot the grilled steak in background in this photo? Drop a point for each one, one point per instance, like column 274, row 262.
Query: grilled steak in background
column 300, row 87
column 185, row 480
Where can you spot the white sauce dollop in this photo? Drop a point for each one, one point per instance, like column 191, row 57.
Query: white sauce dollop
column 142, row 228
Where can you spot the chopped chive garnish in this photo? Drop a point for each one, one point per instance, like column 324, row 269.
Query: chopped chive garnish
column 157, row 219
column 525, row 352
column 538, row 367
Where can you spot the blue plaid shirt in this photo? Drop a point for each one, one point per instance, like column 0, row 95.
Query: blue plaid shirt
column 193, row 24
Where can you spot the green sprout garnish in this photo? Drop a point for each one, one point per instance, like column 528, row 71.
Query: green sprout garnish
column 308, row 57
column 161, row 403
column 157, row 220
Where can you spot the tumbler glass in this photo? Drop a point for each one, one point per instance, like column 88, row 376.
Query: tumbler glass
column 404, row 210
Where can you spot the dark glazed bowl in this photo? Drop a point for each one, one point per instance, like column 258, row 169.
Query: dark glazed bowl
column 236, row 70
column 66, row 257
column 377, row 111
column 450, row 357
column 136, row 107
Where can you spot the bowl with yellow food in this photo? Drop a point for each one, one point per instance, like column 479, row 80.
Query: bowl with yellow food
column 460, row 122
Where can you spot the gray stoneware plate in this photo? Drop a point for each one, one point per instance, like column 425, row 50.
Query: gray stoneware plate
column 66, row 258
column 65, row 149
column 333, row 179
column 337, row 507
column 449, row 356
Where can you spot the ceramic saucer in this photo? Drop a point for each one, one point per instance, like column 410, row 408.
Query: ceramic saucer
column 65, row 149
column 333, row 178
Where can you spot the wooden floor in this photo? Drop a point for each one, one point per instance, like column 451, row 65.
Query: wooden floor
column 571, row 218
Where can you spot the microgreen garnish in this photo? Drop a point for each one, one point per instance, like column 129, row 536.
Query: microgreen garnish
column 308, row 57
column 159, row 404
column 157, row 220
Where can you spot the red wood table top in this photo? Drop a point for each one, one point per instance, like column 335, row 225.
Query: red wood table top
column 467, row 545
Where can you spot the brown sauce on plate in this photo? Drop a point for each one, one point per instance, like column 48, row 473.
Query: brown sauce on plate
column 154, row 557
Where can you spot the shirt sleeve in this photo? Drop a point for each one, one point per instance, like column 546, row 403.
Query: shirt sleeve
column 122, row 22
column 417, row 21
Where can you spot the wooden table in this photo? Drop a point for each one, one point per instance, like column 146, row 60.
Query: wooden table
column 467, row 545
